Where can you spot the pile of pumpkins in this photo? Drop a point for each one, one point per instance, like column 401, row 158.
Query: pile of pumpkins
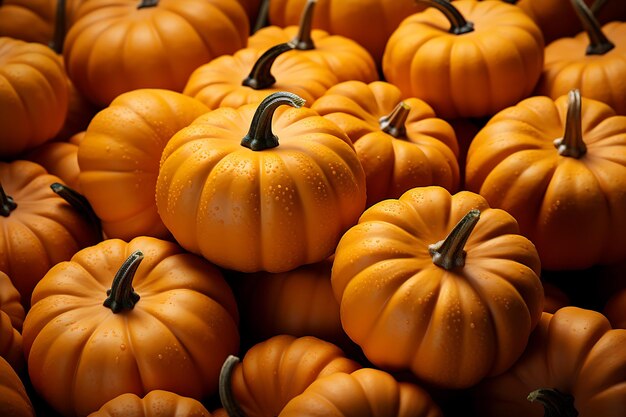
column 312, row 208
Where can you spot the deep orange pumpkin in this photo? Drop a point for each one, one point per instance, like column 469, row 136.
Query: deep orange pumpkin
column 14, row 401
column 157, row 403
column 59, row 159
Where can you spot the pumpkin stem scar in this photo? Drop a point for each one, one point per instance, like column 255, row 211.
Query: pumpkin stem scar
column 58, row 37
column 122, row 296
column 572, row 144
column 79, row 203
column 449, row 253
column 7, row 205
column 260, row 76
column 555, row 403
column 599, row 44
column 147, row 3
column 394, row 123
column 226, row 390
column 458, row 24
column 303, row 40
column 260, row 135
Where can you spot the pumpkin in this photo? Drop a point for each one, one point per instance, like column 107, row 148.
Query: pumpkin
column 14, row 401
column 368, row 22
column 118, row 46
column 59, row 159
column 559, row 167
column 554, row 298
column 466, row 58
column 592, row 62
column 400, row 143
column 264, row 187
column 11, row 320
column 157, row 403
column 574, row 364
column 615, row 309
column 275, row 371
column 33, row 96
column 10, row 302
column 128, row 317
column 250, row 75
column 39, row 227
column 343, row 56
column 119, row 158
column 365, row 392
column 438, row 284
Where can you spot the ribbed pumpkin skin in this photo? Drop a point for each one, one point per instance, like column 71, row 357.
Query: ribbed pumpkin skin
column 11, row 320
column 514, row 164
column 408, row 313
column 33, row 96
column 270, row 210
column 157, row 403
column 14, row 401
column 81, row 354
column 10, row 302
column 60, row 159
column 365, row 392
column 119, row 158
column 486, row 70
column 574, row 351
column 280, row 368
column 114, row 47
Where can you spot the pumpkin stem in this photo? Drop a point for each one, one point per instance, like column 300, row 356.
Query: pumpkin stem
column 261, row 76
column 56, row 44
column 572, row 144
column 303, row 40
column 394, row 123
column 555, row 403
column 510, row 1
column 597, row 6
column 262, row 17
column 7, row 205
column 260, row 135
column 599, row 44
column 226, row 390
column 147, row 3
column 458, row 24
column 122, row 296
column 449, row 253
column 80, row 203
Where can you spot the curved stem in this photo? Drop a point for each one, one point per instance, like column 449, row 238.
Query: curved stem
column 394, row 122
column 122, row 296
column 80, row 203
column 555, row 403
column 59, row 28
column 449, row 253
column 147, row 3
column 226, row 390
column 7, row 205
column 262, row 17
column 260, row 135
column 458, row 24
column 261, row 76
column 597, row 6
column 572, row 144
column 599, row 44
column 303, row 40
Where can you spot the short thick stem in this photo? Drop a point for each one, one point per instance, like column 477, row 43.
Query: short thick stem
column 59, row 28
column 458, row 24
column 450, row 253
column 226, row 390
column 555, row 403
column 303, row 40
column 394, row 123
column 7, row 205
column 262, row 17
column 122, row 296
column 147, row 3
column 79, row 203
column 572, row 144
column 261, row 75
column 260, row 135
column 599, row 44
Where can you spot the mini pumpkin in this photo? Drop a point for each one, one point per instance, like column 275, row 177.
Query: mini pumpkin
column 157, row 403
column 59, row 159
column 14, row 401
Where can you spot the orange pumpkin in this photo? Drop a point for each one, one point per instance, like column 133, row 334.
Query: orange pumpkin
column 33, row 96
column 365, row 392
column 10, row 302
column 59, row 159
column 575, row 364
column 168, row 322
column 343, row 56
column 275, row 371
column 120, row 45
column 454, row 304
column 592, row 62
column 467, row 58
column 157, row 403
column 250, row 75
column 14, row 401
column 400, row 143
column 11, row 319
column 525, row 161
column 119, row 158
column 263, row 187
